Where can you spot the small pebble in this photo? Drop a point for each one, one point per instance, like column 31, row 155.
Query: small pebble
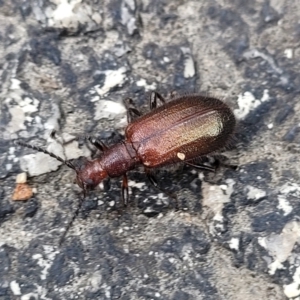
column 22, row 192
column 21, row 178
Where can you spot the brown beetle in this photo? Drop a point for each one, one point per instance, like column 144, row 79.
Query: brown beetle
column 182, row 130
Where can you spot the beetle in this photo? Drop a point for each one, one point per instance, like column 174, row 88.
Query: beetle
column 182, row 130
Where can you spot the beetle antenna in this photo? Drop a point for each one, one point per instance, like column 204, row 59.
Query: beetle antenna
column 65, row 162
column 75, row 215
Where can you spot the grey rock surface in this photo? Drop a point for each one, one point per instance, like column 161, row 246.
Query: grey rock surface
column 67, row 66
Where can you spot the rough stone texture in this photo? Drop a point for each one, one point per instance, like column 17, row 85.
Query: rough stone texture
column 67, row 65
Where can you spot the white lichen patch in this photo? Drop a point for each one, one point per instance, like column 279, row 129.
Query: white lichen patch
column 281, row 245
column 247, row 103
column 113, row 78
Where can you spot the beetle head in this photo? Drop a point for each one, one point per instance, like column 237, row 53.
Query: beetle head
column 88, row 173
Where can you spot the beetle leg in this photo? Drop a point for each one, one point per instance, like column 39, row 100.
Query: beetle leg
column 215, row 160
column 201, row 166
column 106, row 184
column 153, row 100
column 220, row 161
column 125, row 193
column 153, row 181
column 132, row 111
column 97, row 143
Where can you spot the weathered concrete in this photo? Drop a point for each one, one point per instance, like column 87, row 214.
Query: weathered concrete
column 67, row 66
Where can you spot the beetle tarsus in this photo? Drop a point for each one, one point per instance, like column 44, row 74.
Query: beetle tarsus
column 201, row 167
column 132, row 111
column 153, row 100
column 97, row 143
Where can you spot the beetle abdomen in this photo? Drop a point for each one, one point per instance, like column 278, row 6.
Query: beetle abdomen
column 183, row 129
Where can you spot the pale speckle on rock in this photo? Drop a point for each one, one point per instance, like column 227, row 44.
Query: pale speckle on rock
column 288, row 53
column 189, row 65
column 234, row 244
column 95, row 281
column 106, row 109
column 284, row 205
column 71, row 14
column 15, row 288
column 17, row 121
column 148, row 87
column 215, row 197
column 292, row 290
column 281, row 245
column 113, row 78
column 127, row 16
column 39, row 163
column 21, row 178
column 254, row 53
column 255, row 193
column 248, row 103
